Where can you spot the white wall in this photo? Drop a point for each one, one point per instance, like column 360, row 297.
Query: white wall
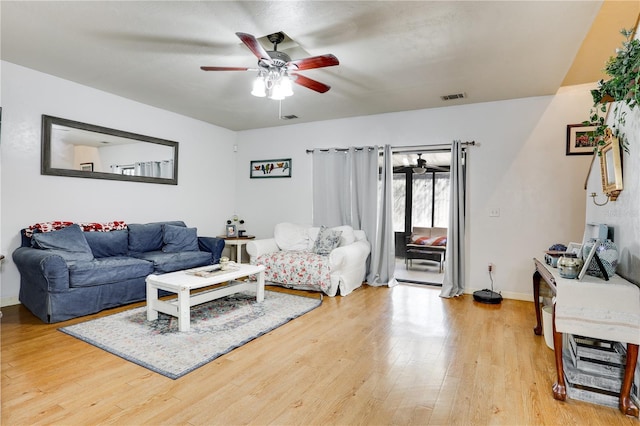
column 623, row 215
column 519, row 167
column 204, row 196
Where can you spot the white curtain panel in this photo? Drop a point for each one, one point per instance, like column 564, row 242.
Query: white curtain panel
column 383, row 260
column 453, row 283
column 345, row 192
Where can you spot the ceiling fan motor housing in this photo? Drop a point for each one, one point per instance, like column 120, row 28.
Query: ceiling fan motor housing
column 278, row 59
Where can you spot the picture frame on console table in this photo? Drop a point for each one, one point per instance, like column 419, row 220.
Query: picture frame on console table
column 280, row 168
column 588, row 259
column 578, row 142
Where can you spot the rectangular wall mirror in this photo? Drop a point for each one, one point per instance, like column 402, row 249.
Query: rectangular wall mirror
column 71, row 148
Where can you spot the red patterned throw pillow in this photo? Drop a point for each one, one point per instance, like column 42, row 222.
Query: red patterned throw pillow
column 429, row 241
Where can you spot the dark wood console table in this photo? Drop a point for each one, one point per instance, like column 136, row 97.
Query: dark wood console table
column 552, row 279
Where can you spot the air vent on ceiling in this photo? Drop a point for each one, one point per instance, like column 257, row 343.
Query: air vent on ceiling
column 289, row 117
column 453, row 96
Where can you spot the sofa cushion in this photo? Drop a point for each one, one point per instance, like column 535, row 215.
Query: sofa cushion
column 107, row 244
column 179, row 238
column 68, row 242
column 148, row 236
column 328, row 239
column 169, row 262
column 107, row 271
column 291, row 236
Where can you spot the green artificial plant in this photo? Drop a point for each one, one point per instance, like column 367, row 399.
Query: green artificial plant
column 623, row 87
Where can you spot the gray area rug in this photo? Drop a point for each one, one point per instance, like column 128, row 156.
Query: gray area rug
column 217, row 327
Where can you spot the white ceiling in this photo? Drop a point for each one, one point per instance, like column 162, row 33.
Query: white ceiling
column 394, row 56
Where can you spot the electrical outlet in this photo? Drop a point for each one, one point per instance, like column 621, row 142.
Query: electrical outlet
column 494, row 212
column 490, row 267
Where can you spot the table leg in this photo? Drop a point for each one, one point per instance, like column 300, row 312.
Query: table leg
column 239, row 253
column 626, row 405
column 184, row 310
column 536, row 302
column 260, row 287
column 152, row 298
column 559, row 387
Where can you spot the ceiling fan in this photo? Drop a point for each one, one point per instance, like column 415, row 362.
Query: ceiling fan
column 421, row 166
column 276, row 70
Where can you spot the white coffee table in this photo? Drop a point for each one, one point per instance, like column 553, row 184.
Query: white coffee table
column 182, row 282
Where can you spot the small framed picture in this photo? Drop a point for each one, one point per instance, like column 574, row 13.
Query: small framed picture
column 232, row 231
column 581, row 140
column 574, row 248
column 280, row 168
column 86, row 167
column 587, row 259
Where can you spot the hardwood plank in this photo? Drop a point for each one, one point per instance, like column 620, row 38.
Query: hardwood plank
column 378, row 356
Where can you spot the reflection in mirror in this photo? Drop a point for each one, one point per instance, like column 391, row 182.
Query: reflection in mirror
column 71, row 148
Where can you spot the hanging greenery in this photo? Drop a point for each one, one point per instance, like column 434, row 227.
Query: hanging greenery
column 622, row 88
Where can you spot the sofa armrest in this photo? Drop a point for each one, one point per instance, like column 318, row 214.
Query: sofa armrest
column 41, row 268
column 257, row 248
column 213, row 245
column 345, row 256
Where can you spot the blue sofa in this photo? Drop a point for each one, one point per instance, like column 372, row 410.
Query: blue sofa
column 69, row 273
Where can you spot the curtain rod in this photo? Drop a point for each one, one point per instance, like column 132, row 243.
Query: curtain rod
column 396, row 149
column 357, row 148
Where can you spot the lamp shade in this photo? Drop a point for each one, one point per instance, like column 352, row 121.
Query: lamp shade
column 258, row 88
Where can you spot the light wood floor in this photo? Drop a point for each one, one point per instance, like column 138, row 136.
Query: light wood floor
column 378, row 356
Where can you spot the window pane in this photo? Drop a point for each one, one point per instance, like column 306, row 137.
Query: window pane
column 441, row 203
column 421, row 208
column 399, row 201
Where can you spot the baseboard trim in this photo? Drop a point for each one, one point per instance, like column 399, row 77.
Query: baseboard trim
column 9, row 301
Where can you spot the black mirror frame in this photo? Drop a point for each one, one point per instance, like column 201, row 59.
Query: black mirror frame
column 46, row 169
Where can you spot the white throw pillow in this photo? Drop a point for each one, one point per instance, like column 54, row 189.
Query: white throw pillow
column 291, row 236
column 347, row 237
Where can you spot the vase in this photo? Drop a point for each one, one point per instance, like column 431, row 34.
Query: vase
column 607, row 252
column 569, row 265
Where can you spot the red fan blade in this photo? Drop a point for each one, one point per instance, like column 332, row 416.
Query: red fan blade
column 253, row 45
column 224, row 69
column 315, row 62
column 310, row 84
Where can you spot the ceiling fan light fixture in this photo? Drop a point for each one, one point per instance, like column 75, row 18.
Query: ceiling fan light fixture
column 277, row 93
column 259, row 88
column 419, row 170
column 285, row 84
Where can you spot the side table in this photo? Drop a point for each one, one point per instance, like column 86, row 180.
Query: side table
column 238, row 242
